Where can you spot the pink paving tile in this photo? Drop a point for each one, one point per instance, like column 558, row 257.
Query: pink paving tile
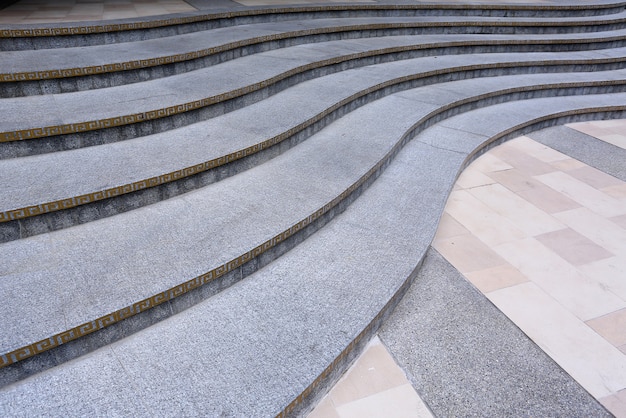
column 324, row 409
column 488, row 163
column 487, row 224
column 618, row 192
column 472, row 177
column 515, row 180
column 573, row 247
column 398, row 402
column 611, row 326
column 374, row 371
column 467, row 253
column 619, row 220
column 567, row 165
column 496, row 278
column 595, row 177
column 616, row 403
column 548, row 199
column 536, row 149
column 525, row 216
column 622, row 348
column 523, row 162
column 584, row 194
column 449, row 227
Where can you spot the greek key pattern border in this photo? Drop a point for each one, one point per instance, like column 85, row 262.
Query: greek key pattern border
column 155, row 300
column 68, row 203
column 176, row 58
column 54, row 130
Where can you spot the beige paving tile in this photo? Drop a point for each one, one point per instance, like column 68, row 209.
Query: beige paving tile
column 548, row 199
column 467, row 253
column 595, row 227
column 610, row 273
column 525, row 216
column 584, row 297
column 449, row 227
column 488, row 163
column 616, row 404
column 619, row 220
column 399, row 402
column 594, row 177
column 612, row 327
column 374, row 371
column 573, row 247
column 479, row 219
column 566, row 165
column 590, row 359
column 471, row 177
column 584, row 194
column 522, row 161
column 622, row 349
column 324, row 409
column 618, row 192
column 374, row 384
column 536, row 149
column 515, row 180
column 496, row 278
column 611, row 131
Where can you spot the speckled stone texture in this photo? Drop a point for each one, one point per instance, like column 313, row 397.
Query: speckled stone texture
column 466, row 358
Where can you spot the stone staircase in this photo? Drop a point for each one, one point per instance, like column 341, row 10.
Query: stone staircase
column 209, row 214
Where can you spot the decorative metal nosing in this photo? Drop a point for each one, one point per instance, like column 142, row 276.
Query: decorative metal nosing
column 68, row 203
column 126, row 312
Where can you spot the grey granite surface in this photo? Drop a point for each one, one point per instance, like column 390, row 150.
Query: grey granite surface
column 602, row 155
column 466, row 358
column 48, row 177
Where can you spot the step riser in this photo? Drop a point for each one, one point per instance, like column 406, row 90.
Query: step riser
column 99, row 209
column 75, row 36
column 44, row 140
column 25, row 362
column 39, row 84
column 12, row 362
column 322, row 384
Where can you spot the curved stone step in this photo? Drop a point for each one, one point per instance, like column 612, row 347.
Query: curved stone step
column 122, row 271
column 31, row 72
column 53, row 191
column 333, row 286
column 23, row 37
column 88, row 118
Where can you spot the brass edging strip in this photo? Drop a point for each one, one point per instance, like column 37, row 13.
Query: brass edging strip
column 372, row 325
column 54, row 130
column 121, row 27
column 72, row 202
column 176, row 58
column 74, row 333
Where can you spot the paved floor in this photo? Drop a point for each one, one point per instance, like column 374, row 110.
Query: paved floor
column 541, row 234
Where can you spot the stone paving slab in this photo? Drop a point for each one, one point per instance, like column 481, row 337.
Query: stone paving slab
column 466, row 358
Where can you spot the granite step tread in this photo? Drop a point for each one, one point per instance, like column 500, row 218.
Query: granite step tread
column 300, row 315
column 43, row 183
column 86, row 111
column 44, row 64
column 125, row 262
